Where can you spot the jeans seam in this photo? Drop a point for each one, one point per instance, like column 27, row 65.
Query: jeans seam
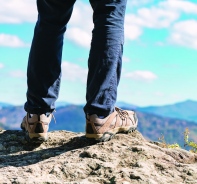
column 112, row 78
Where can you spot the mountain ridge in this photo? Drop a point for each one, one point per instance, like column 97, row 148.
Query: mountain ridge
column 182, row 110
column 186, row 110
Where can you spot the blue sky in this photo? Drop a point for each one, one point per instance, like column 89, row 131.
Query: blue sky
column 160, row 51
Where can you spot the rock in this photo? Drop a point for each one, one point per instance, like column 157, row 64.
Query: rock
column 69, row 157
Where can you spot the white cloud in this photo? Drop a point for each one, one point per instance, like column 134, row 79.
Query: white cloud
column 79, row 36
column 132, row 29
column 80, row 26
column 141, row 75
column 167, row 12
column 17, row 11
column 73, row 72
column 185, row 33
column 161, row 14
column 138, row 3
column 125, row 59
column 179, row 5
column 18, row 74
column 153, row 17
column 11, row 41
column 1, row 65
column 158, row 16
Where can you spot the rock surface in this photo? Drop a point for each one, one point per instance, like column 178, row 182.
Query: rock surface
column 68, row 157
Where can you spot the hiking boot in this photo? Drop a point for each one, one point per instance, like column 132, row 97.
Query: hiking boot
column 36, row 127
column 119, row 121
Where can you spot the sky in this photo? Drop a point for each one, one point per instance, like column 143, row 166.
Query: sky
column 159, row 60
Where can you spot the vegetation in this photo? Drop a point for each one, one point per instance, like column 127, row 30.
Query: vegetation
column 191, row 144
column 166, row 145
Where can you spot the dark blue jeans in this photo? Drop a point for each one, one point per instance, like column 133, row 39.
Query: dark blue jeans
column 104, row 63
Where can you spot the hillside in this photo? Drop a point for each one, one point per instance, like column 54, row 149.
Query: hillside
column 183, row 110
column 70, row 157
column 2, row 104
column 153, row 127
column 10, row 117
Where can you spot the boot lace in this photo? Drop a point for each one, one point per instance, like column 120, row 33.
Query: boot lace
column 122, row 113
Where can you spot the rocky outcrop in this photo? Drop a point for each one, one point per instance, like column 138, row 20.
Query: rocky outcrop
column 68, row 157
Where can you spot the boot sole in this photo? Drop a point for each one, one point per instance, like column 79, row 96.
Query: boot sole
column 109, row 135
column 35, row 137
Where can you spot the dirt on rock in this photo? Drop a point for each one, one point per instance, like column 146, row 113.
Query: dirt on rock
column 69, row 157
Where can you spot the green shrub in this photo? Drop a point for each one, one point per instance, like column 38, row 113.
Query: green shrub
column 191, row 144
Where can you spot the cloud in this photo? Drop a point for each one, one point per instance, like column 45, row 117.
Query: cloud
column 80, row 26
column 185, row 33
column 132, row 29
column 125, row 59
column 179, row 5
column 138, row 3
column 18, row 74
column 11, row 41
column 79, row 36
column 148, row 14
column 17, row 11
column 73, row 72
column 141, row 75
column 1, row 65
column 158, row 16
column 153, row 17
column 165, row 13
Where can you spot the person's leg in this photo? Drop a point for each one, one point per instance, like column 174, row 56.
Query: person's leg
column 105, row 58
column 103, row 121
column 44, row 65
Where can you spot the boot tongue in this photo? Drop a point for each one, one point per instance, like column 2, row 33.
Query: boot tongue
column 33, row 117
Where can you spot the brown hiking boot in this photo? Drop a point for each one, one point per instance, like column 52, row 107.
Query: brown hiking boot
column 104, row 129
column 36, row 127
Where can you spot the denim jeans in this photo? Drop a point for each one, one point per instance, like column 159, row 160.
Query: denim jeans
column 104, row 63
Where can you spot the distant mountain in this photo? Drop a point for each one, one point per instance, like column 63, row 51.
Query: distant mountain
column 183, row 110
column 2, row 104
column 69, row 118
column 11, row 117
column 61, row 104
column 126, row 105
column 118, row 104
column 154, row 126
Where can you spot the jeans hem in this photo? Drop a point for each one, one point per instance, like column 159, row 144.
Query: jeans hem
column 38, row 110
